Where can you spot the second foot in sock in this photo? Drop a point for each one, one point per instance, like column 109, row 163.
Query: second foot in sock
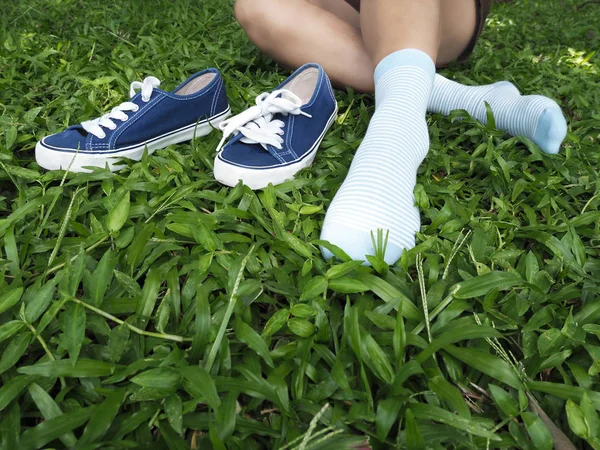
column 535, row 117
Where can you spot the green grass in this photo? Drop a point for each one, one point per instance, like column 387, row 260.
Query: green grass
column 154, row 308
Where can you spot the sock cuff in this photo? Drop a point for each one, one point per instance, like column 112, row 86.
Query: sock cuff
column 406, row 57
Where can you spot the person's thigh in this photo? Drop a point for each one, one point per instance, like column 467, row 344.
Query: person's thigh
column 458, row 22
column 340, row 8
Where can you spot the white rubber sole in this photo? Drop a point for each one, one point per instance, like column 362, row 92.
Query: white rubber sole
column 230, row 175
column 78, row 161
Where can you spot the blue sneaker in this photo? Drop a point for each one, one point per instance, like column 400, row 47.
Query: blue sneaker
column 152, row 119
column 281, row 134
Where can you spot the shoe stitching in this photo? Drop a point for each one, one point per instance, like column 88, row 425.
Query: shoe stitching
column 289, row 136
column 213, row 106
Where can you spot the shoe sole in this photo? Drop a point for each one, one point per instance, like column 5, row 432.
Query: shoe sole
column 230, row 175
column 52, row 159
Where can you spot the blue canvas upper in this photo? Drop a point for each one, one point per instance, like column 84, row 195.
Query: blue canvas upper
column 300, row 133
column 163, row 113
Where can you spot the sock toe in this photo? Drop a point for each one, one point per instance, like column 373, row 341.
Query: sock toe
column 551, row 130
column 357, row 244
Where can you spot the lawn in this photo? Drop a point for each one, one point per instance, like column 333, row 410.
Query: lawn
column 153, row 308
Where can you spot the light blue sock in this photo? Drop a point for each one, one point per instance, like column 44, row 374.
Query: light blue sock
column 533, row 116
column 378, row 191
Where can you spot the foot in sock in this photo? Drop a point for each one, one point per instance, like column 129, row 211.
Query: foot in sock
column 378, row 191
column 533, row 116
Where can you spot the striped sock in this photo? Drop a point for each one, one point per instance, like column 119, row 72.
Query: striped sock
column 533, row 116
column 378, row 191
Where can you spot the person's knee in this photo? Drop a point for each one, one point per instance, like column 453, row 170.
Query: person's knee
column 252, row 14
column 259, row 19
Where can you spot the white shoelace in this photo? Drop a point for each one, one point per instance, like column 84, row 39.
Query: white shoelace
column 257, row 124
column 95, row 126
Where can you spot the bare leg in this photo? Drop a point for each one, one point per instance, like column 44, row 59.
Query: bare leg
column 329, row 34
column 390, row 25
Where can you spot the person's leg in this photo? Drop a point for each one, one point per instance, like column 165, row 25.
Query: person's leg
column 335, row 42
column 533, row 116
column 402, row 39
column 295, row 32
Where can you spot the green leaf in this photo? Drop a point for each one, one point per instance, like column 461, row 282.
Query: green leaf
column 100, row 278
column 487, row 363
column 429, row 412
column 390, row 294
column 345, row 285
column 8, row 329
column 12, row 389
column 11, row 136
column 64, row 368
column 538, row 431
column 314, row 288
column 399, row 338
column 301, row 327
column 172, row 439
column 174, row 412
column 302, row 311
column 103, row 80
column 449, row 394
column 591, row 416
column 10, row 298
column 504, row 401
column 576, row 419
column 160, row 378
column 465, row 332
column 139, row 246
column 375, row 357
column 414, row 438
column 103, row 417
column 340, row 270
column 202, row 325
column 339, row 375
column 565, row 392
column 118, row 215
column 252, row 339
column 10, row 427
column 201, row 384
column 49, row 410
column 387, row 414
column 117, row 342
column 276, row 322
column 41, row 299
column 128, row 283
column 226, row 416
column 74, row 323
column 149, row 294
column 310, row 209
column 481, row 285
column 48, row 430
column 14, row 350
column 550, row 342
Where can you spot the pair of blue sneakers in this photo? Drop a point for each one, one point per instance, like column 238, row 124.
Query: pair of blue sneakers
column 270, row 142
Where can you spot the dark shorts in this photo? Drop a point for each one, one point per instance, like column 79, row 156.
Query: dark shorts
column 483, row 9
